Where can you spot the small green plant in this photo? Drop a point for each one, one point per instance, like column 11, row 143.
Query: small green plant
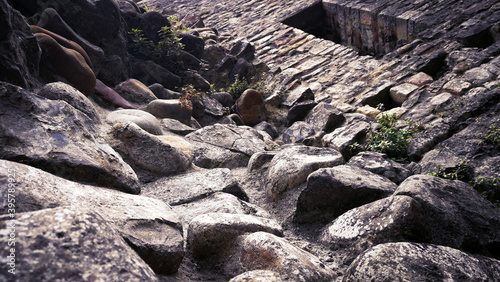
column 463, row 171
column 492, row 136
column 489, row 187
column 190, row 93
column 241, row 84
column 387, row 138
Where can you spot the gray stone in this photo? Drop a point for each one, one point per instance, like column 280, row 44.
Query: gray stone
column 170, row 109
column 258, row 160
column 69, row 243
column 211, row 156
column 332, row 191
column 210, row 234
column 151, row 73
column 268, row 128
column 240, row 139
column 54, row 136
column 353, row 130
column 163, row 93
column 143, row 119
column 19, row 51
column 212, row 106
column 158, row 154
column 421, row 262
column 299, row 111
column 203, row 183
column 265, row 251
column 258, row 276
column 458, row 215
column 297, row 133
column 401, row 92
column 69, row 94
column 135, row 91
column 132, row 216
column 393, row 219
column 224, row 98
column 176, row 126
column 380, row 164
column 291, row 166
column 325, row 117
column 477, row 76
column 299, row 94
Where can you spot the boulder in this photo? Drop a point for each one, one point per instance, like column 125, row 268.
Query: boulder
column 70, row 243
column 202, row 183
column 325, row 117
column 153, row 153
column 212, row 156
column 54, row 136
column 265, row 251
column 51, row 20
column 210, row 235
column 297, row 133
column 196, row 80
column 144, row 120
column 163, row 93
column 300, row 94
column 217, row 202
column 400, row 93
column 458, row 215
column 172, row 109
column 332, row 191
column 421, row 262
column 258, row 276
column 67, row 93
column 380, row 164
column 267, row 128
column 59, row 61
column 192, row 44
column 353, row 130
column 299, row 111
column 243, row 49
column 19, row 50
column 175, row 126
column 393, row 219
column 258, row 160
column 291, row 166
column 240, row 139
column 224, row 98
column 148, row 225
column 135, row 91
column 151, row 23
column 250, row 106
column 150, row 72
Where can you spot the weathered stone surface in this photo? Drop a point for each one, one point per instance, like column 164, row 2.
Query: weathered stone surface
column 401, row 92
column 176, row 126
column 69, row 243
column 151, row 152
column 149, row 72
column 163, row 93
column 250, row 107
column 299, row 111
column 211, row 156
column 380, row 164
column 393, row 219
column 297, row 133
column 299, row 94
column 169, row 109
column 260, row 159
column 67, row 93
column 458, row 215
column 418, row 262
column 258, row 276
column 325, row 117
column 19, row 50
column 212, row 106
column 193, row 44
column 420, row 79
column 291, row 166
column 143, row 119
column 173, row 190
column 58, row 61
column 134, row 217
column 332, row 191
column 135, row 91
column 218, row 202
column 353, row 130
column 267, row 128
column 210, row 234
column 224, row 98
column 54, row 136
column 241, row 139
column 265, row 251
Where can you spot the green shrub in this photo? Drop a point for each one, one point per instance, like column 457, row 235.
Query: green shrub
column 241, row 84
column 387, row 138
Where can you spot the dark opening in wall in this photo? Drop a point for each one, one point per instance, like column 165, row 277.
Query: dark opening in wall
column 366, row 30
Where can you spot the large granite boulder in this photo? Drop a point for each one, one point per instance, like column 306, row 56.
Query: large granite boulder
column 292, row 165
column 68, row 243
column 421, row 262
column 148, row 225
column 56, row 137
column 332, row 191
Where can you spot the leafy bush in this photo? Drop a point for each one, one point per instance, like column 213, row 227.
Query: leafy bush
column 241, row 84
column 387, row 138
column 190, row 93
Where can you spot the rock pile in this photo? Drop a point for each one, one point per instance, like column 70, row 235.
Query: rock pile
column 120, row 158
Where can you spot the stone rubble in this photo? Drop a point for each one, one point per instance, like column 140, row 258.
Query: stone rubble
column 117, row 173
